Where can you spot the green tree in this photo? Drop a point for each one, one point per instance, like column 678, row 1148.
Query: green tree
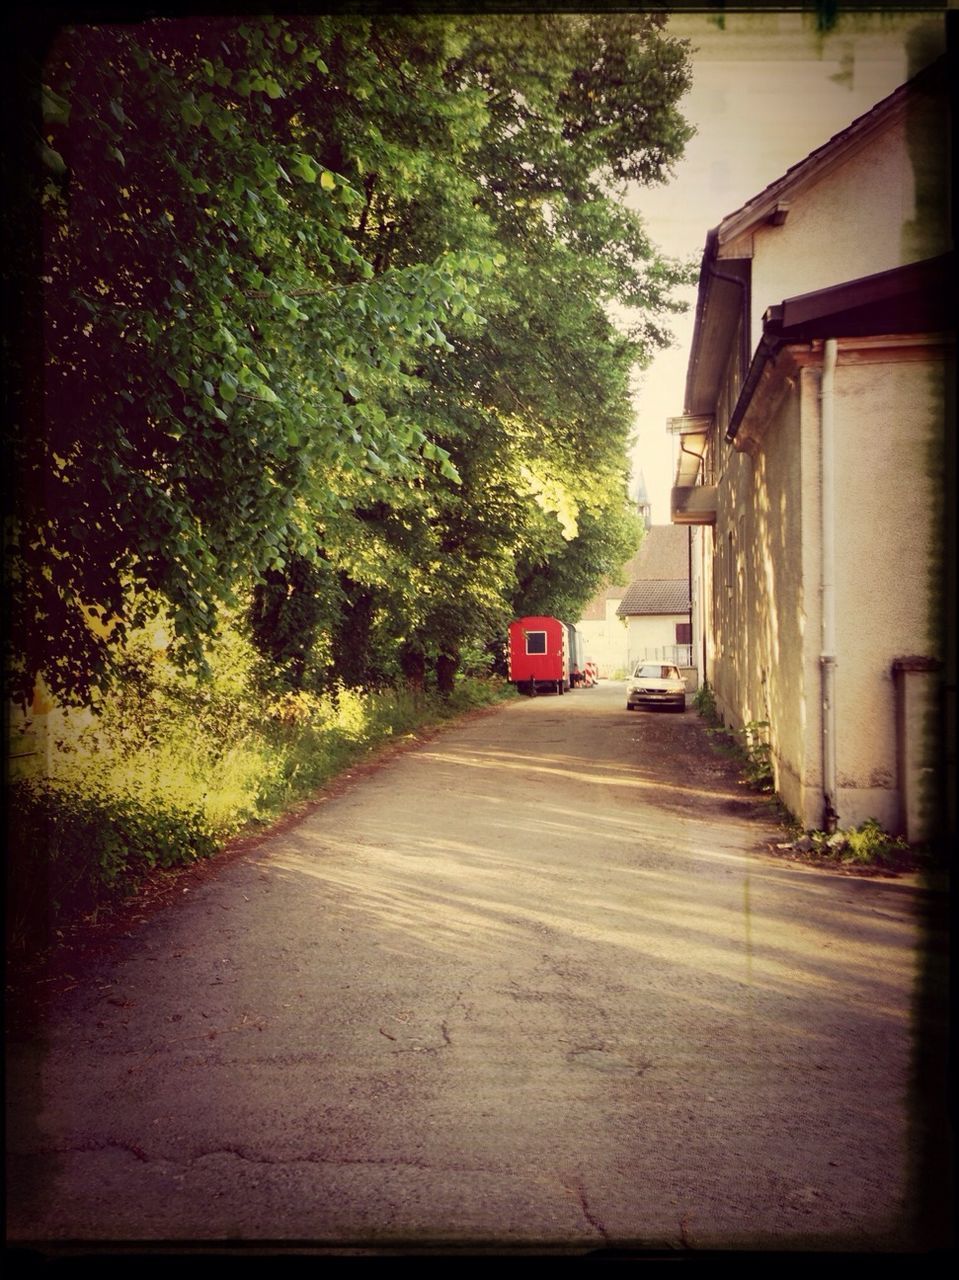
column 334, row 292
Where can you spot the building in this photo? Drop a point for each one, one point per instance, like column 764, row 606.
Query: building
column 811, row 464
column 602, row 632
column 655, row 605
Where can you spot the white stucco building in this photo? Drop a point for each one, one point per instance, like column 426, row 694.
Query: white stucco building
column 811, row 464
column 655, row 606
column 647, row 615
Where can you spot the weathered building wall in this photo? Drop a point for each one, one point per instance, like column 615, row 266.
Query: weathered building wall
column 604, row 641
column 889, row 425
column 652, row 632
column 767, row 570
column 759, row 608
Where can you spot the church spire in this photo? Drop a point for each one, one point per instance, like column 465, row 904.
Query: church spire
column 642, row 501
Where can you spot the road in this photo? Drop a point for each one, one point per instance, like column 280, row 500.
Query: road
column 532, row 983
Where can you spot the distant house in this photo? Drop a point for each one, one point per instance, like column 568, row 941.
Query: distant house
column 811, row 461
column 655, row 605
column 602, row 631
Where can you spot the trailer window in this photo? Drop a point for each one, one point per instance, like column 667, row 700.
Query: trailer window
column 535, row 641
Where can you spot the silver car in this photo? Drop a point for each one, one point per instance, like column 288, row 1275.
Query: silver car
column 656, row 684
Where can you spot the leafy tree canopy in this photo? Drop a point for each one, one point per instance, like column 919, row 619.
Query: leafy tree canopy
column 325, row 308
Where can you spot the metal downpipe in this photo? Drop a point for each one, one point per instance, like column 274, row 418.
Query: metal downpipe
column 828, row 543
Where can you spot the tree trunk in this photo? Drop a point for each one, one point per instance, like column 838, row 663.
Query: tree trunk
column 413, row 663
column 446, row 667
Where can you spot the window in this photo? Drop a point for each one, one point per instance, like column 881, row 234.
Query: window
column 684, row 633
column 535, row 641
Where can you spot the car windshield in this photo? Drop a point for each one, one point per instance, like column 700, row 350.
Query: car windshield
column 656, row 671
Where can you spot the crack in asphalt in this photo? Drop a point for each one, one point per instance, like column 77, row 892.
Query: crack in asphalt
column 577, row 1189
column 92, row 1145
column 84, row 1147
column 312, row 1158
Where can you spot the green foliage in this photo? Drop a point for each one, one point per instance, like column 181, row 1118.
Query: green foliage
column 327, row 306
column 704, row 700
column 292, row 610
column 71, row 846
column 172, row 768
column 869, row 844
column 750, row 747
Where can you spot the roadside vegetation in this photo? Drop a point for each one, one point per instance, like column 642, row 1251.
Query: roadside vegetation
column 314, row 371
column 867, row 846
column 172, row 769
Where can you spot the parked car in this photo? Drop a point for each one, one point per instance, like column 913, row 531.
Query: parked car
column 656, row 684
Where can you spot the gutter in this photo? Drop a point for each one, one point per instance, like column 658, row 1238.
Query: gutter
column 708, row 273
column 769, row 347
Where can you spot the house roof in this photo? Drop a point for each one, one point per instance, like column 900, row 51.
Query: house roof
column 915, row 298
column 665, row 596
column 663, row 556
column 761, row 207
column 723, row 281
column 595, row 611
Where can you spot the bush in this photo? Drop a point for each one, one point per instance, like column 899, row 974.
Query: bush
column 869, row 844
column 70, row 850
column 704, row 701
column 174, row 767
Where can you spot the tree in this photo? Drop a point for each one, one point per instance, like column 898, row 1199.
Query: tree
column 333, row 292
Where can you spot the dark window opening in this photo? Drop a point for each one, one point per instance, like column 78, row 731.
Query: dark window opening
column 535, row 641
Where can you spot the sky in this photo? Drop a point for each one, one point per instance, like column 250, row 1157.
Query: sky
column 766, row 91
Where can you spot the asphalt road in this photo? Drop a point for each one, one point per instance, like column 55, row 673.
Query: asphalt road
column 532, row 983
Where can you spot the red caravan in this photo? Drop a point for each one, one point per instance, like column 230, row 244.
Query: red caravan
column 539, row 654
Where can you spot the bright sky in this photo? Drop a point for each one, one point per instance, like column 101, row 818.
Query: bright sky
column 766, row 91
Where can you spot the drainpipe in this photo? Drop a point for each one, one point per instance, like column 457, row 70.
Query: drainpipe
column 689, row 585
column 828, row 656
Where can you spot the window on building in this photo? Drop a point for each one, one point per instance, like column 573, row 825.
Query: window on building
column 535, row 641
column 684, row 633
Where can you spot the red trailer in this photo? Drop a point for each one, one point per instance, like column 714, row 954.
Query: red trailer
column 539, row 655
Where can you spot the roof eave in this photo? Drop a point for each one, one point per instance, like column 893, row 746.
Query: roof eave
column 915, row 298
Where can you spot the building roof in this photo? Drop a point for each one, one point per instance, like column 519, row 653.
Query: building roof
column 665, row 596
column 663, row 556
column 595, row 611
column 774, row 197
column 724, row 271
column 915, row 298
